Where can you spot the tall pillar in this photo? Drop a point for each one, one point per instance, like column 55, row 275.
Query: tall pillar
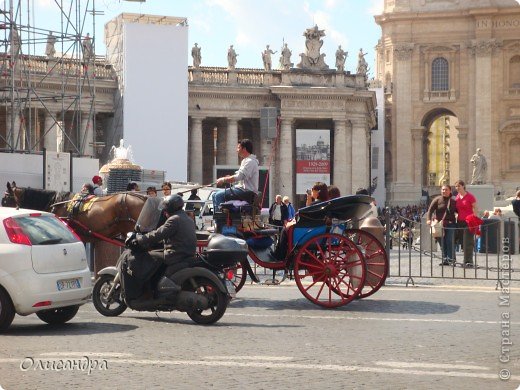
column 13, row 130
column 348, row 159
column 88, row 134
column 284, row 177
column 196, row 151
column 463, row 154
column 231, row 141
column 340, row 156
column 417, row 141
column 359, row 154
column 221, row 150
column 483, row 50
column 50, row 129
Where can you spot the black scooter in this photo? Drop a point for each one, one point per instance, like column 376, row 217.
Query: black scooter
column 205, row 291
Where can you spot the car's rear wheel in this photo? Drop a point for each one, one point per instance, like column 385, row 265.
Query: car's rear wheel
column 6, row 310
column 59, row 315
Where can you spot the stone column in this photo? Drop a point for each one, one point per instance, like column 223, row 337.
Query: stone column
column 221, row 157
column 340, row 157
column 283, row 183
column 463, row 154
column 196, row 150
column 360, row 172
column 348, row 159
column 50, row 129
column 13, row 127
column 402, row 96
column 231, row 141
column 88, row 134
column 417, row 141
column 483, row 50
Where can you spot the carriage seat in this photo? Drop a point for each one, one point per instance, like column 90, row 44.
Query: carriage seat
column 251, row 197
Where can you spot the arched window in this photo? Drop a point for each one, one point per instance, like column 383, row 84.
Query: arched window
column 514, row 72
column 440, row 74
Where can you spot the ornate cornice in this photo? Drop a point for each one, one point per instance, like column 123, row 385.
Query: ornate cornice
column 484, row 47
column 403, row 51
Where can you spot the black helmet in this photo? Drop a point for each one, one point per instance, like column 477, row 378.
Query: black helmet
column 172, row 203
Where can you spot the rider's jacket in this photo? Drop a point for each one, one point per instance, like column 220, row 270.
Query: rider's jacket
column 178, row 234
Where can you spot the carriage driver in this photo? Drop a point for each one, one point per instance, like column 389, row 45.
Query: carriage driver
column 179, row 240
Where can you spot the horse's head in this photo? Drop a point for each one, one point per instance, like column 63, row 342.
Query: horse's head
column 9, row 199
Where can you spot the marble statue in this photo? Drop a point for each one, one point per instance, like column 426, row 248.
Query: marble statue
column 479, row 168
column 86, row 45
column 197, row 57
column 341, row 56
column 50, row 51
column 362, row 67
column 285, row 59
column 312, row 58
column 231, row 57
column 15, row 41
column 266, row 57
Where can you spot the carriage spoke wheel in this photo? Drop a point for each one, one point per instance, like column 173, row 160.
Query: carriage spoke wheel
column 376, row 260
column 329, row 270
column 237, row 275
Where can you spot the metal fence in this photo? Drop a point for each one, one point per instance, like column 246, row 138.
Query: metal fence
column 415, row 253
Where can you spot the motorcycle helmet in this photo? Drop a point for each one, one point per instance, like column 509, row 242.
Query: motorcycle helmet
column 172, row 203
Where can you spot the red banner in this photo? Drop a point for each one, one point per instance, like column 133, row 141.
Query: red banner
column 312, row 166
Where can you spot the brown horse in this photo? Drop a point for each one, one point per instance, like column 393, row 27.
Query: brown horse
column 109, row 216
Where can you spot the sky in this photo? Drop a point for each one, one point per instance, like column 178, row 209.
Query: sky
column 249, row 25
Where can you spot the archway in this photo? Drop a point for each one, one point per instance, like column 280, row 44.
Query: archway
column 441, row 162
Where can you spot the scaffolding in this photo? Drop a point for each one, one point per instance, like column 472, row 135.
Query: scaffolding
column 48, row 79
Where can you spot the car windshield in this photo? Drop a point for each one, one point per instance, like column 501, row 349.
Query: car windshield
column 45, row 230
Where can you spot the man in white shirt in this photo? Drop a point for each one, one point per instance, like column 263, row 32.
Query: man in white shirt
column 246, row 178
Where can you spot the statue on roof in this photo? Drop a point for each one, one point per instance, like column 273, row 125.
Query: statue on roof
column 312, row 58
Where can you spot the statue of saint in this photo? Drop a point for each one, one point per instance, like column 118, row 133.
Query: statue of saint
column 15, row 40
column 479, row 168
column 266, row 57
column 50, row 51
column 285, row 59
column 341, row 56
column 122, row 152
column 231, row 57
column 87, row 48
column 362, row 67
column 197, row 58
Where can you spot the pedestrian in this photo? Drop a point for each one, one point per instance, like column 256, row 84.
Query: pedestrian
column 466, row 204
column 516, row 204
column 290, row 208
column 318, row 193
column 194, row 195
column 133, row 186
column 151, row 192
column 334, row 192
column 442, row 209
column 98, row 182
column 166, row 189
column 278, row 213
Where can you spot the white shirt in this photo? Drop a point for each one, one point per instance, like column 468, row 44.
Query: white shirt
column 248, row 174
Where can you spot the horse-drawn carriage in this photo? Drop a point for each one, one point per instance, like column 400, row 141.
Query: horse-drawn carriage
column 331, row 261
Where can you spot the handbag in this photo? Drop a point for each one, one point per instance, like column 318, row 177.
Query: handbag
column 436, row 229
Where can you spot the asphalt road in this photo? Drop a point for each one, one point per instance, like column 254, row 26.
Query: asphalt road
column 272, row 337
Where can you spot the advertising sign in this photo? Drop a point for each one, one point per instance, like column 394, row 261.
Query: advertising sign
column 57, row 171
column 312, row 158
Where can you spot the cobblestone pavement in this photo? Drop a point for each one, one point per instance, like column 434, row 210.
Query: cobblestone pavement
column 271, row 337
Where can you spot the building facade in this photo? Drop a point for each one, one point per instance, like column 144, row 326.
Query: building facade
column 458, row 61
column 225, row 106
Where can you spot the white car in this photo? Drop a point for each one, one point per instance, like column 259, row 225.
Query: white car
column 43, row 267
column 202, row 213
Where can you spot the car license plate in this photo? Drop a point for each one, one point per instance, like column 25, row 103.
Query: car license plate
column 68, row 284
column 231, row 289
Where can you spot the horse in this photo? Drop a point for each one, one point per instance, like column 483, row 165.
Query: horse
column 108, row 216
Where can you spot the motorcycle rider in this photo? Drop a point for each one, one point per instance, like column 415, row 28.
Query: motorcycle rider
column 179, row 240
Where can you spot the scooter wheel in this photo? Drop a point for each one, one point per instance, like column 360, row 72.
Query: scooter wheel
column 108, row 306
column 218, row 301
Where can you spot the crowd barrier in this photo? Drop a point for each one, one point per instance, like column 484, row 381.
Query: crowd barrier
column 418, row 254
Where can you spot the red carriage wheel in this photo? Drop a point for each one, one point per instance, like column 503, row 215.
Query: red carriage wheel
column 237, row 275
column 376, row 260
column 329, row 270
